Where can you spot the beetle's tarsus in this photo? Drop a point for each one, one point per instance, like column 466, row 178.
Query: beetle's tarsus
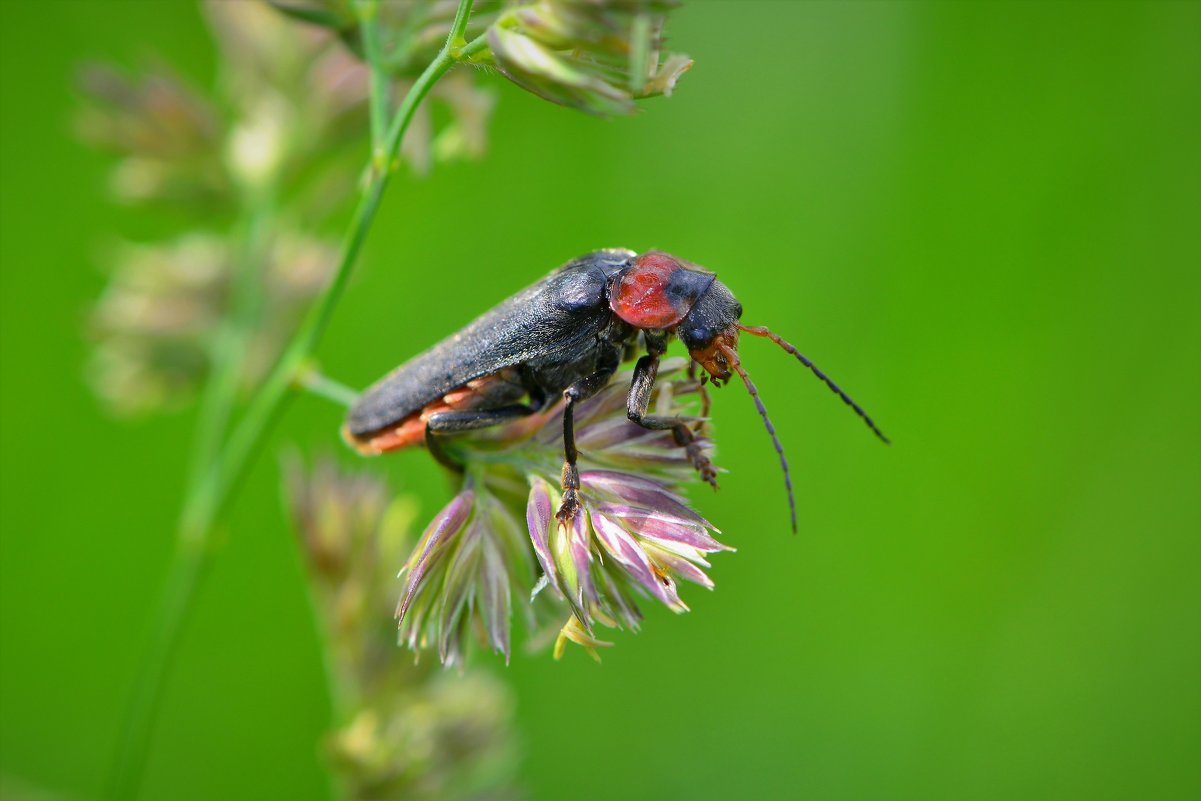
column 571, row 498
column 687, row 439
column 568, row 508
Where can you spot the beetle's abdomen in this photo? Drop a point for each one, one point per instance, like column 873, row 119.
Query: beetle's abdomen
column 497, row 389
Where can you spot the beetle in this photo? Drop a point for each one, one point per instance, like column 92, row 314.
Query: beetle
column 566, row 335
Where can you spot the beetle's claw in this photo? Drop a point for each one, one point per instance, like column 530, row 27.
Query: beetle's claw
column 706, row 469
column 687, row 439
column 571, row 498
column 568, row 508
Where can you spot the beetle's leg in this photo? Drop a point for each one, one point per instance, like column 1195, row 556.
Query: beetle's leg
column 638, row 401
column 630, row 350
column 453, row 422
column 581, row 390
column 702, row 388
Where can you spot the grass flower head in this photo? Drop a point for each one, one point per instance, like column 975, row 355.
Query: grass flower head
column 594, row 55
column 634, row 537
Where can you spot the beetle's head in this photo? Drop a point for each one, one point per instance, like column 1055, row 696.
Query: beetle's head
column 659, row 292
column 710, row 331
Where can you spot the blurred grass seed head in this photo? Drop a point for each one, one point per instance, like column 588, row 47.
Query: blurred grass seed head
column 401, row 730
column 156, row 321
column 285, row 132
column 598, row 56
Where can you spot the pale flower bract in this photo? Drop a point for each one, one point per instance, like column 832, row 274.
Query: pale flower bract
column 597, row 56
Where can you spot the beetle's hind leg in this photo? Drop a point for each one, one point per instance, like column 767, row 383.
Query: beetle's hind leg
column 637, row 403
column 440, row 424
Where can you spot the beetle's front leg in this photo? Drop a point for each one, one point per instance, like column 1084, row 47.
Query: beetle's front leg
column 581, row 390
column 702, row 388
column 638, row 401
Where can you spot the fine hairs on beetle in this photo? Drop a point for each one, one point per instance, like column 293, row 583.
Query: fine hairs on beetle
column 567, row 335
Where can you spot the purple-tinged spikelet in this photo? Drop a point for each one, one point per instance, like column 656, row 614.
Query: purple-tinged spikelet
column 635, row 536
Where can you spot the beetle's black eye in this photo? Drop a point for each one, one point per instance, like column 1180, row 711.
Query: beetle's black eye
column 697, row 337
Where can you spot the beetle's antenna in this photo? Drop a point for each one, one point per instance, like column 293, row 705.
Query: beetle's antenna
column 732, row 358
column 762, row 331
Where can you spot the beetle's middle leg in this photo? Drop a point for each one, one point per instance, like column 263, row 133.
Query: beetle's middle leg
column 453, row 422
column 637, row 403
column 579, row 391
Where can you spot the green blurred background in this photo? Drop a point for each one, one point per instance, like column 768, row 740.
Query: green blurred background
column 983, row 218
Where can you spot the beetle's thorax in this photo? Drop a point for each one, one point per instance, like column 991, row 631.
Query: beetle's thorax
column 658, row 292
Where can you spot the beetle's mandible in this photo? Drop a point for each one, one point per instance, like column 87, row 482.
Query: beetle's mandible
column 567, row 335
